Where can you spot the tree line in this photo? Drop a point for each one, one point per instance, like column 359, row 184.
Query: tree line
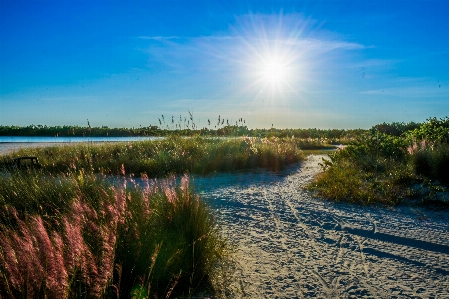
column 394, row 129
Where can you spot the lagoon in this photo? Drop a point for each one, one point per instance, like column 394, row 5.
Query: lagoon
column 11, row 143
column 47, row 139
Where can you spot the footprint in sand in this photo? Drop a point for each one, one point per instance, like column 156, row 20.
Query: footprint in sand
column 291, row 245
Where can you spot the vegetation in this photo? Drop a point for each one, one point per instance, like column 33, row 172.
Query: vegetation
column 382, row 166
column 173, row 155
column 79, row 227
column 185, row 126
column 68, row 230
column 79, row 236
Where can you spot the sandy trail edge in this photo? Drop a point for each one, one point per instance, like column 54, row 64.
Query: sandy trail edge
column 291, row 245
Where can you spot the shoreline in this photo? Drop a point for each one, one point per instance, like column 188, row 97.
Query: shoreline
column 8, row 147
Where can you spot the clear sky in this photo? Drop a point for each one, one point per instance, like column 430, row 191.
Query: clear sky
column 323, row 64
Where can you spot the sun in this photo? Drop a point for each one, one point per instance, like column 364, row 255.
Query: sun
column 270, row 53
column 274, row 70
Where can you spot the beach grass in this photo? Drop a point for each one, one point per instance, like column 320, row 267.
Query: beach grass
column 80, row 236
column 172, row 155
column 82, row 227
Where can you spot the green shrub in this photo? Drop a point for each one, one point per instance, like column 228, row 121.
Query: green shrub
column 441, row 163
column 346, row 181
column 381, row 167
column 432, row 163
column 422, row 162
column 433, row 131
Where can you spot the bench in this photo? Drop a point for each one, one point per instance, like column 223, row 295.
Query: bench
column 27, row 163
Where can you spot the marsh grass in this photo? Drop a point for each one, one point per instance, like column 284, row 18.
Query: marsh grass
column 173, row 155
column 78, row 236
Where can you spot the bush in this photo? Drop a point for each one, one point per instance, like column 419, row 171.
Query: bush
column 432, row 163
column 422, row 162
column 441, row 163
column 346, row 181
column 378, row 167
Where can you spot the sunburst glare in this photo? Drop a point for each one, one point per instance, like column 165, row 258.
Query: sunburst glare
column 274, row 70
column 271, row 58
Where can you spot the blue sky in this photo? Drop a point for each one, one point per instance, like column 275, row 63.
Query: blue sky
column 323, row 64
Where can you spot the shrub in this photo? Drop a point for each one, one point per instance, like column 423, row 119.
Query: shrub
column 441, row 163
column 377, row 167
column 346, row 181
column 432, row 162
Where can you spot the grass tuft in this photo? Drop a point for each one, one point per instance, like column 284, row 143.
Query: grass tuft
column 80, row 236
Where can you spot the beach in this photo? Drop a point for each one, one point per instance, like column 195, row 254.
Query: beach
column 292, row 245
column 289, row 244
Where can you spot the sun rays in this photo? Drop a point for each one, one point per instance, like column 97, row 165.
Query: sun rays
column 271, row 58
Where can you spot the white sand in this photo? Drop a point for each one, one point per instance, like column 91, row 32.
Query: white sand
column 290, row 245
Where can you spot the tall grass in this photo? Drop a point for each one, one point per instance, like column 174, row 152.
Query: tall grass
column 173, row 155
column 78, row 236
column 67, row 231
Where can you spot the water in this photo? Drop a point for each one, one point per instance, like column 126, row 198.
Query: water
column 11, row 143
column 37, row 139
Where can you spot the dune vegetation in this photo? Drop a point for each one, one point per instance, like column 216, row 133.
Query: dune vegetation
column 172, row 155
column 389, row 164
column 81, row 227
column 79, row 236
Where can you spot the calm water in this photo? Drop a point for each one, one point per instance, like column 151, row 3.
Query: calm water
column 11, row 143
column 35, row 139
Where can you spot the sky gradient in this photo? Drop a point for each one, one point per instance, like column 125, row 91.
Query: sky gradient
column 291, row 64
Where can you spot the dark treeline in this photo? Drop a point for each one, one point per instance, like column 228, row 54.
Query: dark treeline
column 78, row 131
column 395, row 129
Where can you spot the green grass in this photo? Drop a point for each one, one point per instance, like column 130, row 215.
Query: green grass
column 307, row 152
column 173, row 155
column 79, row 236
column 347, row 181
column 114, row 238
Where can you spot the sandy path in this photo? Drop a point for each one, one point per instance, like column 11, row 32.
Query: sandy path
column 290, row 245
